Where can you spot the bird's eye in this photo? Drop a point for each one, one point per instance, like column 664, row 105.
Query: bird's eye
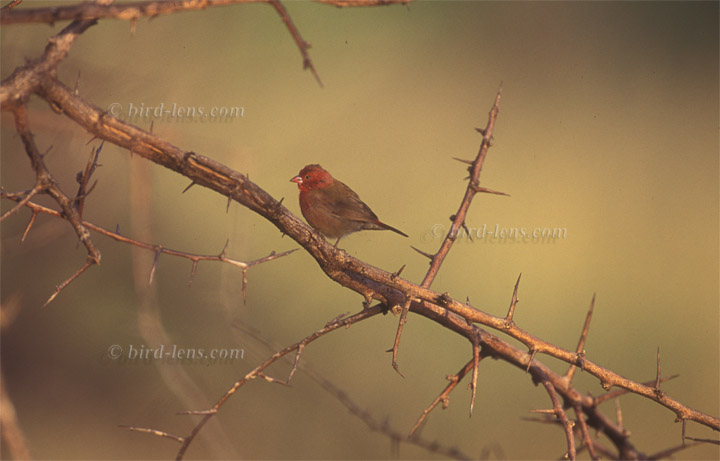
column 307, row 177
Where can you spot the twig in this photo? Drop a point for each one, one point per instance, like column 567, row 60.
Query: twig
column 302, row 45
column 354, row 408
column 67, row 282
column 562, row 416
column 396, row 344
column 154, row 432
column 584, row 432
column 84, row 178
column 11, row 5
column 21, row 203
column 458, row 219
column 470, row 192
column 618, row 392
column 444, row 396
column 47, row 184
column 256, row 372
column 157, row 249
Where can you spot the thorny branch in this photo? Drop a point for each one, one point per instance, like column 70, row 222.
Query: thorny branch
column 39, row 77
column 132, row 11
column 157, row 249
column 258, row 371
column 384, row 428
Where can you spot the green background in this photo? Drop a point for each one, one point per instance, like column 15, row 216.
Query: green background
column 608, row 128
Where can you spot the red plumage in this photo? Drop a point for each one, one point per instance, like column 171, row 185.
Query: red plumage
column 331, row 207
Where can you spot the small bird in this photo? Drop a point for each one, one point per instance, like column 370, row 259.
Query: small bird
column 332, row 208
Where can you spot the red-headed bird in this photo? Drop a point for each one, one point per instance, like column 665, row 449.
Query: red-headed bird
column 332, row 208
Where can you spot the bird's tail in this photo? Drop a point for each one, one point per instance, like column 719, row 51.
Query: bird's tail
column 391, row 228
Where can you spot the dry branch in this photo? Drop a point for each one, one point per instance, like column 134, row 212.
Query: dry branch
column 154, row 247
column 39, row 77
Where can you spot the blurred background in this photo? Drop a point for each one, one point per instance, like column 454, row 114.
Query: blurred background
column 607, row 135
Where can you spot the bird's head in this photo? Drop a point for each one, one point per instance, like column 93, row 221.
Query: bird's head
column 312, row 177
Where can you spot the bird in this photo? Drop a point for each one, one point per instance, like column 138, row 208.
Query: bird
column 332, row 208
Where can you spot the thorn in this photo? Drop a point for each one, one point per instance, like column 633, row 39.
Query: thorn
column 683, row 431
column 397, row 369
column 399, row 271
column 427, row 255
column 297, row 361
column 544, row 412
column 192, row 272
column 485, row 190
column 76, row 91
column 513, row 302
column 467, row 231
column 579, row 350
column 476, row 366
column 533, row 353
column 469, row 162
column 619, row 415
column 198, row 412
column 337, row 319
column 158, row 251
column 67, row 282
column 657, row 377
column 222, row 253
column 188, row 187
column 244, row 285
column 227, row 207
column 30, row 223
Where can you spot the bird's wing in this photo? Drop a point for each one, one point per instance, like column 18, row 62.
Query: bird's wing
column 342, row 202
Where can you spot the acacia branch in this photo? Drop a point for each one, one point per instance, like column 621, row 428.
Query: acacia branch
column 132, row 11
column 39, row 77
column 338, row 265
column 46, row 183
column 355, row 409
column 444, row 396
column 154, row 247
column 458, row 220
column 258, row 371
column 560, row 414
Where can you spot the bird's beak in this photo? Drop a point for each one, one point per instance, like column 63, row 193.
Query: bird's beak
column 296, row 179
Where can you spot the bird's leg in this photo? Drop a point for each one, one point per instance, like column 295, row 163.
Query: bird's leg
column 337, row 241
